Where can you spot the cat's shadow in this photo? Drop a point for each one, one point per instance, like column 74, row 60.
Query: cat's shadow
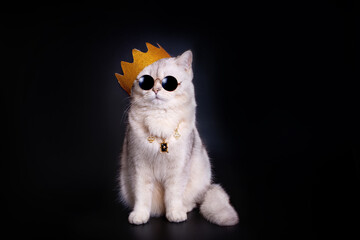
column 195, row 227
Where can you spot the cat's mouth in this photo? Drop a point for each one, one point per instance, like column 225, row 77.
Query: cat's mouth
column 157, row 98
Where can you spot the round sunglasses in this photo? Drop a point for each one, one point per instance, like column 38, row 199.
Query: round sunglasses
column 169, row 83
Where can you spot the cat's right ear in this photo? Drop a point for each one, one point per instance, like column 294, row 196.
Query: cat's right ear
column 185, row 59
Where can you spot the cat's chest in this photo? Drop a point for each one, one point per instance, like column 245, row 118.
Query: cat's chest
column 161, row 125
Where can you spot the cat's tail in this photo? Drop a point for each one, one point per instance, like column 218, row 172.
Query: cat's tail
column 216, row 207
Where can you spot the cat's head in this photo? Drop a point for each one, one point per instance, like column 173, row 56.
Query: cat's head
column 167, row 83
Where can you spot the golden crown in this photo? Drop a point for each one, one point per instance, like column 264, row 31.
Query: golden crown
column 140, row 61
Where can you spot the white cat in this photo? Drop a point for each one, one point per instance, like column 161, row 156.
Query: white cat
column 165, row 168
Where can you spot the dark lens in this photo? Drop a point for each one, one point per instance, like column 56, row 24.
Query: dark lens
column 169, row 83
column 146, row 82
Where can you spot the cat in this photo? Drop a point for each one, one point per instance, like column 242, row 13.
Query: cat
column 164, row 168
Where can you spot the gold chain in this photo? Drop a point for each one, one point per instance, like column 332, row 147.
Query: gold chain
column 164, row 145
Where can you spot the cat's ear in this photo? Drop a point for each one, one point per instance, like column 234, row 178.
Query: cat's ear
column 185, row 59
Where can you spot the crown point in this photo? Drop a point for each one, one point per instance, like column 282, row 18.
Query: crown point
column 149, row 47
column 137, row 54
column 125, row 66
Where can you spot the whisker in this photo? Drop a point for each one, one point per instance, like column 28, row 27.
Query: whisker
column 126, row 108
column 131, row 103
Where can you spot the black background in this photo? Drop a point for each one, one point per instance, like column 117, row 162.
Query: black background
column 277, row 110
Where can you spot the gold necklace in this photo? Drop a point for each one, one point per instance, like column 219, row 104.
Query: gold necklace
column 164, row 145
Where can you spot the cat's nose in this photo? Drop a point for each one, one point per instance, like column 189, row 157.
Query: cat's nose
column 156, row 89
column 157, row 86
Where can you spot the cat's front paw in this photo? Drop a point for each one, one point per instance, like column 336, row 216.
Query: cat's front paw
column 139, row 217
column 176, row 215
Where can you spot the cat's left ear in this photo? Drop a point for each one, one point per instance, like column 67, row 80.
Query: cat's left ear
column 185, row 59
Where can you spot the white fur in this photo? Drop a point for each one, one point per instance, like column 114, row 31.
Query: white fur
column 153, row 183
